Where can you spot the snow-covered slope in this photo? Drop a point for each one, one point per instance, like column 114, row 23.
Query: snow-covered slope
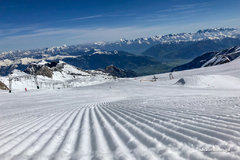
column 224, row 56
column 126, row 119
column 61, row 76
column 211, row 81
column 211, row 59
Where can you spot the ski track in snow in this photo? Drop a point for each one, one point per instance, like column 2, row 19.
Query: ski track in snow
column 122, row 120
column 151, row 128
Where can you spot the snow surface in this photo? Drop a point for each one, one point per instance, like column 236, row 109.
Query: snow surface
column 212, row 81
column 223, row 57
column 68, row 77
column 127, row 119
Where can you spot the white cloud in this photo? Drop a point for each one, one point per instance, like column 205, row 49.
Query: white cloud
column 187, row 7
column 84, row 18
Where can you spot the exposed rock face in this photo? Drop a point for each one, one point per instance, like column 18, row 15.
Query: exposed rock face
column 45, row 71
column 211, row 59
column 33, row 69
column 117, row 72
column 44, row 68
column 3, row 86
column 224, row 56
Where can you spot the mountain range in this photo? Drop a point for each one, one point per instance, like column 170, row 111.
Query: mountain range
column 143, row 55
column 136, row 46
column 190, row 49
column 139, row 45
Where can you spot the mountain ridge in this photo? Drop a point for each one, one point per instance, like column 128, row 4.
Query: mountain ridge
column 214, row 33
column 102, row 54
column 189, row 49
column 211, row 59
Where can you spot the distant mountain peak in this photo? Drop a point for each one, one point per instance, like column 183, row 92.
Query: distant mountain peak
column 100, row 43
column 217, row 30
column 123, row 40
column 134, row 44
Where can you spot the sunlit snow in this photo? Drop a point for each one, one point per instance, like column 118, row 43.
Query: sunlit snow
column 127, row 118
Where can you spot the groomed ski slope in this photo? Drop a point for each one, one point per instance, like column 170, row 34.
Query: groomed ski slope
column 127, row 119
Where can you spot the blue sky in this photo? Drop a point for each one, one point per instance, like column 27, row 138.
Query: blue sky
column 27, row 24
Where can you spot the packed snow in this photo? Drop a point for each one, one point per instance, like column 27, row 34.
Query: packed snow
column 127, row 119
column 212, row 81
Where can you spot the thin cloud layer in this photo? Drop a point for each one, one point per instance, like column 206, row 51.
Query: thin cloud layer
column 39, row 25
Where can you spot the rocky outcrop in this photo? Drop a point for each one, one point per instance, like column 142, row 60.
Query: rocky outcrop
column 117, row 72
column 3, row 86
column 44, row 68
column 180, row 82
column 45, row 71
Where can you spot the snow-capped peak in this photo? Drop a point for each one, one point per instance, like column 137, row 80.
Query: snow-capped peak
column 99, row 43
column 42, row 62
column 214, row 33
column 138, row 45
column 99, row 51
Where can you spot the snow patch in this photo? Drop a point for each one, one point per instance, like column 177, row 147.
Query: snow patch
column 210, row 81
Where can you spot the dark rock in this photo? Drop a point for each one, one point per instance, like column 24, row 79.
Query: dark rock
column 195, row 63
column 3, row 86
column 180, row 82
column 117, row 72
column 45, row 71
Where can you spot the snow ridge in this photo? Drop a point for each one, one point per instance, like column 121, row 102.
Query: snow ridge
column 224, row 56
